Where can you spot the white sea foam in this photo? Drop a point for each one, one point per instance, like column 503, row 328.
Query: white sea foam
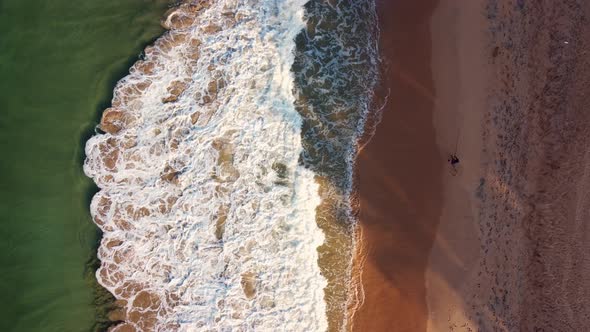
column 207, row 216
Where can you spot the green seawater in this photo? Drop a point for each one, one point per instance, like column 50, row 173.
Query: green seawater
column 59, row 61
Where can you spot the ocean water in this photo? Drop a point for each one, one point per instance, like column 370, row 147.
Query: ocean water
column 225, row 167
column 59, row 61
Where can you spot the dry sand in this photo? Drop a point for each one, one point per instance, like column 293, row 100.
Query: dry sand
column 461, row 76
column 500, row 245
column 510, row 251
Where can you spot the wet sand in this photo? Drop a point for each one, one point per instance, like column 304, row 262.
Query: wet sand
column 501, row 243
column 398, row 177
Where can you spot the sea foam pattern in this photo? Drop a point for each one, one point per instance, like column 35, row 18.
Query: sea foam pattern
column 208, row 220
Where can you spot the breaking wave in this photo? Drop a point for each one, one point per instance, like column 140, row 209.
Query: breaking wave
column 208, row 219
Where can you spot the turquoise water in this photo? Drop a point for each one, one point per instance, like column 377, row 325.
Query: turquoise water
column 59, row 61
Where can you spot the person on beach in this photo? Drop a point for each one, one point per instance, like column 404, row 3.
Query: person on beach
column 453, row 160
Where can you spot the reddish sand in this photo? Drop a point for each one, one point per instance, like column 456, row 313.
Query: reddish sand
column 398, row 177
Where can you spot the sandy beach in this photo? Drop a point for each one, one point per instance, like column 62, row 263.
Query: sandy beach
column 500, row 242
column 462, row 80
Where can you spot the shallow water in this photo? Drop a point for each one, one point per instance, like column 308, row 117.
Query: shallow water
column 59, row 61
